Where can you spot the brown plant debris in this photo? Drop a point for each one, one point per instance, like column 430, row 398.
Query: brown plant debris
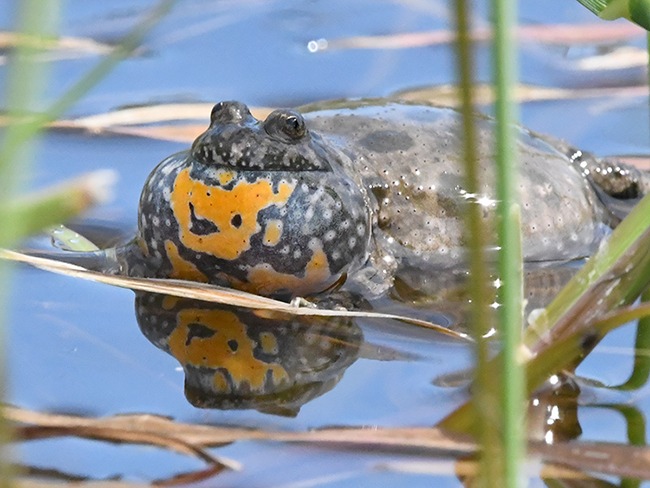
column 55, row 48
column 215, row 294
column 569, row 457
column 549, row 34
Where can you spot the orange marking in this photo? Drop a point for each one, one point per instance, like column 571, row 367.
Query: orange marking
column 220, row 382
column 169, row 302
column 181, row 268
column 272, row 233
column 264, row 280
column 215, row 352
column 143, row 247
column 225, row 177
column 269, row 343
column 219, row 206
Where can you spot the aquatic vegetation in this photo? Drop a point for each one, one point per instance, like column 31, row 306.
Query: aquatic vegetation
column 638, row 11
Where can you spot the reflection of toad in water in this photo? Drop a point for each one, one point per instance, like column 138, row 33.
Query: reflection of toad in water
column 241, row 359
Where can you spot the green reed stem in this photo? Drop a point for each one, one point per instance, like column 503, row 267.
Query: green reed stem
column 36, row 121
column 641, row 368
column 486, row 423
column 38, row 210
column 513, row 393
column 36, row 22
column 583, row 312
column 597, row 288
column 638, row 11
column 636, row 428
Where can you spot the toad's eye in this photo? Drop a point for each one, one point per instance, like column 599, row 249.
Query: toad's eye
column 294, row 126
column 229, row 112
column 286, row 125
column 217, row 109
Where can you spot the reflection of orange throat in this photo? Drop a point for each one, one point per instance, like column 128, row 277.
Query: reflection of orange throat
column 227, row 349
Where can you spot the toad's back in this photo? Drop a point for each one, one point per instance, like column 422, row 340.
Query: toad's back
column 409, row 157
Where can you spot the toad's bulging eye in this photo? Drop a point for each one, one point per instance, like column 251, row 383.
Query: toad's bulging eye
column 286, row 125
column 216, row 110
column 229, row 112
column 294, row 126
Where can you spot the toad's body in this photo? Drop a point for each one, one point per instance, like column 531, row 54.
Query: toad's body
column 293, row 204
column 409, row 158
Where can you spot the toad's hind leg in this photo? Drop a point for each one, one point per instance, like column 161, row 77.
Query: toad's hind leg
column 619, row 186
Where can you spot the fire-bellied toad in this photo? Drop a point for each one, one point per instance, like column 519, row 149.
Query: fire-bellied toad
column 298, row 203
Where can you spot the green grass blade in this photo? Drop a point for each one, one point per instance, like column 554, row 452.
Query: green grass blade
column 124, row 49
column 566, row 351
column 486, row 425
column 26, row 78
column 513, row 397
column 638, row 11
column 596, row 6
column 641, row 368
column 54, row 205
column 32, row 123
column 595, row 289
column 36, row 21
column 635, row 423
column 581, row 314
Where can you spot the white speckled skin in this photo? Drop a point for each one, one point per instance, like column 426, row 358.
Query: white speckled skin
column 408, row 156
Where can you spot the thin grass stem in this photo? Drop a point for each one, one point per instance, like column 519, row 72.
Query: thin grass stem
column 36, row 20
column 487, row 420
column 509, row 234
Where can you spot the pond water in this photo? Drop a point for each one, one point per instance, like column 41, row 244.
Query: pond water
column 76, row 347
